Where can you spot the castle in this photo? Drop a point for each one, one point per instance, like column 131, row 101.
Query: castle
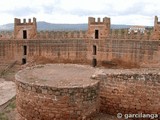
column 118, row 91
column 95, row 46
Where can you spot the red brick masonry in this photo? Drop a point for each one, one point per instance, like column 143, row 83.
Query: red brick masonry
column 68, row 101
column 130, row 91
column 77, row 96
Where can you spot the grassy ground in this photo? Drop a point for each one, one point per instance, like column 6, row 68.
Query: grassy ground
column 9, row 112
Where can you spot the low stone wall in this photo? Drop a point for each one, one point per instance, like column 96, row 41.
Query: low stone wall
column 129, row 91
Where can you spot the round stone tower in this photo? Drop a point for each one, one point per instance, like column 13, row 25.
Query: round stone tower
column 57, row 91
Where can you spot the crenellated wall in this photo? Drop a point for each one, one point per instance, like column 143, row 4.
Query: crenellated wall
column 123, row 34
column 114, row 34
column 61, row 34
column 96, row 46
column 6, row 35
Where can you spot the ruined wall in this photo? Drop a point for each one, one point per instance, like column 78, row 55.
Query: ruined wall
column 135, row 91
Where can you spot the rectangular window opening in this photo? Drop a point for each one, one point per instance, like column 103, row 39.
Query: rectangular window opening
column 94, row 62
column 24, row 61
column 96, row 34
column 24, row 34
column 24, row 50
column 94, row 50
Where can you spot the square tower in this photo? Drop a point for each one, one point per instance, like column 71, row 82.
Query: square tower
column 25, row 30
column 156, row 29
column 98, row 30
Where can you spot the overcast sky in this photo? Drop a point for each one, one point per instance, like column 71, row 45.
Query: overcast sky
column 131, row 12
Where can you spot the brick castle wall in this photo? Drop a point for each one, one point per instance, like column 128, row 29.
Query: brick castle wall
column 143, row 52
column 78, row 46
column 50, row 35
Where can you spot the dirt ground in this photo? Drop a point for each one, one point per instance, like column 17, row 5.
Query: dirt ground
column 7, row 91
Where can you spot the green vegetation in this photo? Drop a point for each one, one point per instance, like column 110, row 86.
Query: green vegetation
column 3, row 116
column 11, row 106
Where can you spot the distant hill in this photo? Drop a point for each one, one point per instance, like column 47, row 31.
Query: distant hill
column 59, row 27
column 9, row 26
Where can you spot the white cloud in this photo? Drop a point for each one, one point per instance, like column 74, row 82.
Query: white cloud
column 77, row 11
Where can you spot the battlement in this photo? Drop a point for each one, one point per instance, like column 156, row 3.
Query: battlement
column 18, row 21
column 125, row 34
column 61, row 34
column 92, row 20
